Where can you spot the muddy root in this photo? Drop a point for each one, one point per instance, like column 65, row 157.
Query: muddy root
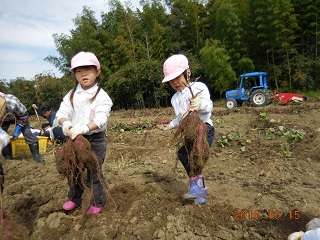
column 192, row 133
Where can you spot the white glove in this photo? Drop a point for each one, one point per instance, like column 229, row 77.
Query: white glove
column 295, row 235
column 195, row 104
column 66, row 125
column 167, row 127
column 164, row 127
column 4, row 139
column 75, row 131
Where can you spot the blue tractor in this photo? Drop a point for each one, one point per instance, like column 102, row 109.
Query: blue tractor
column 253, row 88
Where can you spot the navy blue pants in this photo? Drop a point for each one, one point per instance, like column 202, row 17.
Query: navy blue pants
column 183, row 153
column 59, row 135
column 94, row 178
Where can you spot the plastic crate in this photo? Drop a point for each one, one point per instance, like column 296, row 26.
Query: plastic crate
column 21, row 148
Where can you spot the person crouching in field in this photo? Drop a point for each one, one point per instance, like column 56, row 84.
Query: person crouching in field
column 85, row 111
column 52, row 129
column 177, row 73
column 16, row 113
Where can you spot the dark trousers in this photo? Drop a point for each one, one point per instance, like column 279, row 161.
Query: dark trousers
column 26, row 132
column 95, row 177
column 59, row 135
column 183, row 153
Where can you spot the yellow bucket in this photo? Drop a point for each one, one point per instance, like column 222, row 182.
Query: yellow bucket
column 20, row 148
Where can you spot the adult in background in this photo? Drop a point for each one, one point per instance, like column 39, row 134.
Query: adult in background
column 16, row 113
column 52, row 129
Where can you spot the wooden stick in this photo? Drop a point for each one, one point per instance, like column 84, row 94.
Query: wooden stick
column 36, row 113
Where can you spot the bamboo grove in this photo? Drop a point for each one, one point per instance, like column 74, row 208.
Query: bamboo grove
column 221, row 38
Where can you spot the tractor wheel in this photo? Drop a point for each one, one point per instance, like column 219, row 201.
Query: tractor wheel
column 231, row 103
column 270, row 96
column 259, row 98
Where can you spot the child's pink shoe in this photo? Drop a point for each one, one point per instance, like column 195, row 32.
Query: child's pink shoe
column 94, row 210
column 68, row 206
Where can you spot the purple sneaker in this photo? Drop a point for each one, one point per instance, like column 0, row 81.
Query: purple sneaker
column 203, row 200
column 196, row 190
column 200, row 200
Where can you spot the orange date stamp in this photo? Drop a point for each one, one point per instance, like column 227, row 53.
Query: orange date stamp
column 244, row 214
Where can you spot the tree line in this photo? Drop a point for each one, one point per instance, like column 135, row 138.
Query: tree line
column 221, row 38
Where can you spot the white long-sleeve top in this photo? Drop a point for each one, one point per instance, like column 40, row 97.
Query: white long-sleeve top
column 181, row 102
column 312, row 235
column 84, row 111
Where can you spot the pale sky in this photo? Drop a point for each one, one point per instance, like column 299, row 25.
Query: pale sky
column 26, row 32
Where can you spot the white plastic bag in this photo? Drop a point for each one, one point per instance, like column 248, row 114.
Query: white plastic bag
column 4, row 138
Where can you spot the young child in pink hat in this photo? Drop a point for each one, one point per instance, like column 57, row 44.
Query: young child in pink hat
column 85, row 111
column 176, row 71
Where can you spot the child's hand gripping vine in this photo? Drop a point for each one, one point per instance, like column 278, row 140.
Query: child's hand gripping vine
column 195, row 101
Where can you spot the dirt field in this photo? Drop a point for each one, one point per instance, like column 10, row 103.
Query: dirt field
column 263, row 179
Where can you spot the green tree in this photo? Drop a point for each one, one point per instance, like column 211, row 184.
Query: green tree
column 152, row 30
column 262, row 20
column 228, row 30
column 85, row 37
column 285, row 26
column 3, row 86
column 159, row 43
column 126, row 43
column 109, row 32
column 24, row 90
column 50, row 90
column 308, row 12
column 191, row 19
column 216, row 64
column 122, row 86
